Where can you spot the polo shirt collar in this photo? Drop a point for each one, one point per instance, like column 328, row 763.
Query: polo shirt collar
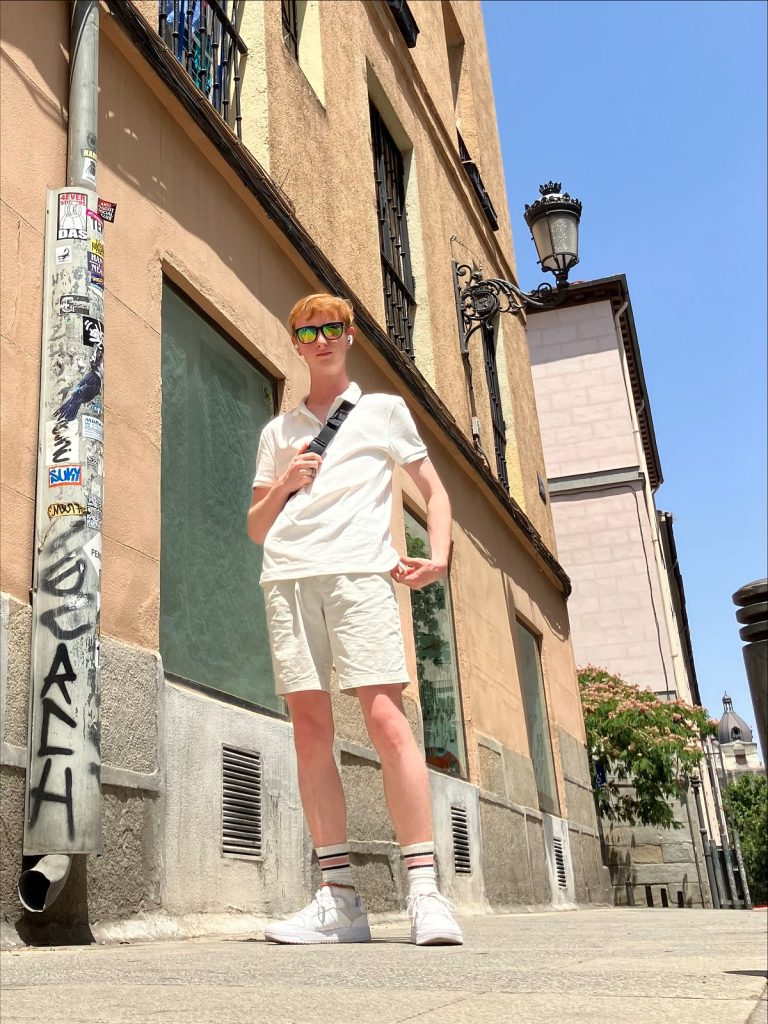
column 350, row 394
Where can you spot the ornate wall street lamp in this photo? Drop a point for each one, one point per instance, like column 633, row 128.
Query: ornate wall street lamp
column 554, row 224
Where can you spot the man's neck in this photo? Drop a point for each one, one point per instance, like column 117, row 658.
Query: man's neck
column 323, row 391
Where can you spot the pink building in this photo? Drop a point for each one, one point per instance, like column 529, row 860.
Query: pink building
column 627, row 609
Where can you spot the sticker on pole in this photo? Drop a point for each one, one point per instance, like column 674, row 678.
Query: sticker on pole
column 89, row 170
column 93, row 427
column 93, row 331
column 72, row 217
column 107, row 210
column 65, row 476
column 93, row 550
column 63, row 254
column 95, row 270
column 66, row 508
column 95, row 221
column 74, row 304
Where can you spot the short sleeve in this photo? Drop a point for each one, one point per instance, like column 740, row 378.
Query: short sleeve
column 265, row 460
column 403, row 438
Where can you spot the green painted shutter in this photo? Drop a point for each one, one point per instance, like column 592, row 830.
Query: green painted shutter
column 215, row 403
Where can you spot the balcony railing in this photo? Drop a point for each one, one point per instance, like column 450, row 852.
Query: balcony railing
column 204, row 37
column 477, row 184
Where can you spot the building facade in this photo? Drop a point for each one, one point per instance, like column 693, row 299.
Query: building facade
column 294, row 147
column 627, row 610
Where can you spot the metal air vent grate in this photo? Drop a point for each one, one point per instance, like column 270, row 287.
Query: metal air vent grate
column 562, row 878
column 462, row 861
column 241, row 803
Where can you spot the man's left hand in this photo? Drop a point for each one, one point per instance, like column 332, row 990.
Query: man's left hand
column 417, row 572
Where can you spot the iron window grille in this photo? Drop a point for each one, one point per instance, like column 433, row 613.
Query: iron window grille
column 393, row 235
column 204, row 36
column 477, row 183
column 497, row 417
column 291, row 26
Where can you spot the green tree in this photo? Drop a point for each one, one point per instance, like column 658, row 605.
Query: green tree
column 746, row 808
column 642, row 749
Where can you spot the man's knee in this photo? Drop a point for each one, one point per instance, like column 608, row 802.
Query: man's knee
column 312, row 731
column 389, row 730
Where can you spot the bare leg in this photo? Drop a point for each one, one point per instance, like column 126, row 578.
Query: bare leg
column 406, row 783
column 322, row 796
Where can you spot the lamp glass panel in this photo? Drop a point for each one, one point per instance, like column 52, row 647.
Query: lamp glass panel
column 564, row 229
column 542, row 240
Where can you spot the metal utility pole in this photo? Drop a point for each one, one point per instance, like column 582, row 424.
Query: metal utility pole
column 63, row 795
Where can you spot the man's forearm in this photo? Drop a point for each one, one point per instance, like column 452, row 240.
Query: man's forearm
column 439, row 525
column 262, row 515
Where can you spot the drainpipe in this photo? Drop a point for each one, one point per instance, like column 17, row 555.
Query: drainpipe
column 696, row 786
column 62, row 814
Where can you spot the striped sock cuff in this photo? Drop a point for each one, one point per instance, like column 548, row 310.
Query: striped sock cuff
column 419, row 858
column 418, row 855
column 334, row 864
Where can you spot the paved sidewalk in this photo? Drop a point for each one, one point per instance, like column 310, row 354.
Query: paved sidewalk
column 623, row 966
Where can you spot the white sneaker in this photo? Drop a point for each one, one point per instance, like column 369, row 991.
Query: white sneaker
column 334, row 915
column 432, row 920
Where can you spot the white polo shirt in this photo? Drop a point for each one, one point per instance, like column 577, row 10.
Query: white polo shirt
column 339, row 522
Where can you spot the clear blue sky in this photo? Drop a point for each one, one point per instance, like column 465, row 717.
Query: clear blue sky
column 654, row 115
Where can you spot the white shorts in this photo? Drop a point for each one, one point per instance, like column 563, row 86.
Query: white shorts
column 351, row 622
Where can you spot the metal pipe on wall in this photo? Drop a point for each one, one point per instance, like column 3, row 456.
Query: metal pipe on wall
column 63, row 782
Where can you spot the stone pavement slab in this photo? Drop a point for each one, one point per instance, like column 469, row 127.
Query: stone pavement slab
column 611, row 965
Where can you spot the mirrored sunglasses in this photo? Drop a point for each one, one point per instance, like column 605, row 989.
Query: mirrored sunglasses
column 331, row 332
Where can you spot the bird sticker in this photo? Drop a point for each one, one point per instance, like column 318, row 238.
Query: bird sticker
column 86, row 389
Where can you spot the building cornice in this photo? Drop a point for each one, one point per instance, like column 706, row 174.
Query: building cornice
column 616, row 291
column 260, row 185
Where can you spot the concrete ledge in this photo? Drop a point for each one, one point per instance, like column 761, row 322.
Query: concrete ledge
column 121, row 778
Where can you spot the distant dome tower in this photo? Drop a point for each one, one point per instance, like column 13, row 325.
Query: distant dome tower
column 738, row 751
column 732, row 727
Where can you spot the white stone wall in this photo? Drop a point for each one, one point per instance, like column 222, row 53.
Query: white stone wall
column 580, row 394
column 615, row 610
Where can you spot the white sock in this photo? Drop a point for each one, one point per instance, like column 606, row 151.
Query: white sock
column 335, row 866
column 420, row 860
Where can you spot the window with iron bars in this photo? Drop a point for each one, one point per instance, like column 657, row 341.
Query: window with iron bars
column 477, row 183
column 396, row 272
column 204, row 36
column 290, row 11
column 497, row 417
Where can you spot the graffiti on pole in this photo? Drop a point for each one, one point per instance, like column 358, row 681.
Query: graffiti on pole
column 63, row 805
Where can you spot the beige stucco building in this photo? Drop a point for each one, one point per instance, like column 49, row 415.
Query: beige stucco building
column 627, row 610
column 338, row 168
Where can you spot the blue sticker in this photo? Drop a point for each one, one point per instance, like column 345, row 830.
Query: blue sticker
column 65, row 476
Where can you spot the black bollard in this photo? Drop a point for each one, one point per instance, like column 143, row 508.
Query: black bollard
column 753, row 614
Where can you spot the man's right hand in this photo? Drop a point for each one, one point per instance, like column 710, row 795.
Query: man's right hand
column 303, row 469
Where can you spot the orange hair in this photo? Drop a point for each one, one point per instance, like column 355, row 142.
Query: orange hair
column 321, row 304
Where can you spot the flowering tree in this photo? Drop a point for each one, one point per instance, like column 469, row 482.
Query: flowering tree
column 642, row 749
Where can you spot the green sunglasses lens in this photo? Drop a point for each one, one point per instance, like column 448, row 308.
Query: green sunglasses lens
column 332, row 331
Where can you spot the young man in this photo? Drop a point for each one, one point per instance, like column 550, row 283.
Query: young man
column 327, row 579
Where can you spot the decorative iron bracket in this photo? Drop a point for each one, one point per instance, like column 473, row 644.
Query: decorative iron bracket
column 478, row 300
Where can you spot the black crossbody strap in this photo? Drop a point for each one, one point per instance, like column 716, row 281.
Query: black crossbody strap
column 319, row 444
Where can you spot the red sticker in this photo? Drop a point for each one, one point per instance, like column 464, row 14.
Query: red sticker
column 107, row 210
